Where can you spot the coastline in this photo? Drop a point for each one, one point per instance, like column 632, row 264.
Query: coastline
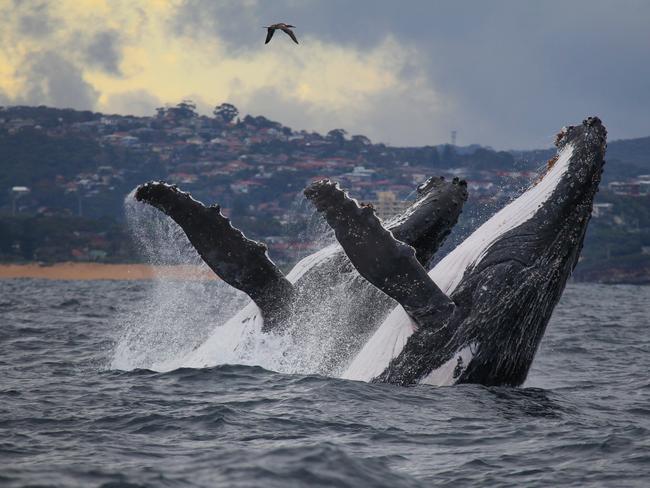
column 84, row 271
column 102, row 271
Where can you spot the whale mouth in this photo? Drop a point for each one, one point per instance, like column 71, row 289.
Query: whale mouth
column 578, row 184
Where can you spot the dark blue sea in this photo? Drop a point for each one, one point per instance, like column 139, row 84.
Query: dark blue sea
column 67, row 419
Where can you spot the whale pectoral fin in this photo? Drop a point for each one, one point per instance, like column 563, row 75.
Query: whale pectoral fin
column 239, row 261
column 384, row 261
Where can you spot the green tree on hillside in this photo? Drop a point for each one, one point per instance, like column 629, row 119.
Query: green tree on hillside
column 225, row 112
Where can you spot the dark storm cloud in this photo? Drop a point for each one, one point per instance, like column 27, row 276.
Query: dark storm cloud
column 53, row 80
column 104, row 51
column 35, row 20
column 513, row 71
column 236, row 23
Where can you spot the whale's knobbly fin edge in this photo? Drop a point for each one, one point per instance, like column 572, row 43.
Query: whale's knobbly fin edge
column 437, row 208
column 239, row 261
column 387, row 263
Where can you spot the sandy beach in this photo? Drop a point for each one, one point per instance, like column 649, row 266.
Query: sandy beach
column 99, row 271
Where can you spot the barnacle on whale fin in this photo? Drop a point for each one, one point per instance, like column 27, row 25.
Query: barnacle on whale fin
column 551, row 162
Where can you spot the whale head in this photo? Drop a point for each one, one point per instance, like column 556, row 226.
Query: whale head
column 522, row 258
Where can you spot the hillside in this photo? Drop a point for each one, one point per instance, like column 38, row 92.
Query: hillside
column 78, row 167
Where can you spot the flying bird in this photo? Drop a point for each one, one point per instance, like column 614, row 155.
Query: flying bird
column 283, row 27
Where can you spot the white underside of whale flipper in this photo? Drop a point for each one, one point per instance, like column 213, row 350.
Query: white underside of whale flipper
column 389, row 339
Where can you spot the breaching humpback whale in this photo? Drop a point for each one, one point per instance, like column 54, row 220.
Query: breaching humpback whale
column 278, row 300
column 479, row 315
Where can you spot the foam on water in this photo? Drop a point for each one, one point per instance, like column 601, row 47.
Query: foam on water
column 179, row 314
column 309, row 336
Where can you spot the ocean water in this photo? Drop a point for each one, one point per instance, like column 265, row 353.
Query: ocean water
column 67, row 419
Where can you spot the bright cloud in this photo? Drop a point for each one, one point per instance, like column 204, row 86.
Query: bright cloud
column 505, row 72
column 125, row 57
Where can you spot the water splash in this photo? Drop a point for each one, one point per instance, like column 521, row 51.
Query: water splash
column 201, row 324
column 309, row 227
column 178, row 314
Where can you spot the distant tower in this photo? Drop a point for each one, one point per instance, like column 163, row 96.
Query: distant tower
column 454, row 133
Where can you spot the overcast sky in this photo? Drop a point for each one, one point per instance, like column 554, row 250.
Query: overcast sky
column 505, row 73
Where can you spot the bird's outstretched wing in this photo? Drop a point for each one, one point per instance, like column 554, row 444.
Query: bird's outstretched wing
column 269, row 34
column 290, row 33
